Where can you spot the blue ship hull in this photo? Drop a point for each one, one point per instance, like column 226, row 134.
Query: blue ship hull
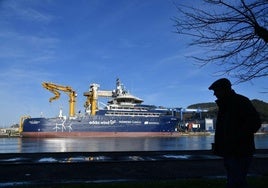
column 99, row 126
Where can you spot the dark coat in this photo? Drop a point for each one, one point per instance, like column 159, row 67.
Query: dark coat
column 237, row 121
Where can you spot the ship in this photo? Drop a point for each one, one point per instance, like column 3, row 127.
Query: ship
column 124, row 115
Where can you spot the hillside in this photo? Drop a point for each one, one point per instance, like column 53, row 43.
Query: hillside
column 261, row 107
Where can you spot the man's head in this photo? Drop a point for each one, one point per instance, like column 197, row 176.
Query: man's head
column 221, row 87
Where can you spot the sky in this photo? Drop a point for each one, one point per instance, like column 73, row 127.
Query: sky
column 79, row 42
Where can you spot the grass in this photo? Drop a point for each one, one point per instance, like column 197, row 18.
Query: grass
column 256, row 182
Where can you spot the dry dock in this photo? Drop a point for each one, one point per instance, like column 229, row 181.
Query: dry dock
column 42, row 168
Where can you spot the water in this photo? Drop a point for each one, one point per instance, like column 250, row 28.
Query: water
column 29, row 145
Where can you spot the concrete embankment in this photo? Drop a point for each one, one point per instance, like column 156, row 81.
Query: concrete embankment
column 36, row 168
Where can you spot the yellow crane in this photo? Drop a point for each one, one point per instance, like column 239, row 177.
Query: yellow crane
column 22, row 118
column 92, row 97
column 54, row 88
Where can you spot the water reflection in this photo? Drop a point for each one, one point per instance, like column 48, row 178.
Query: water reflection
column 29, row 145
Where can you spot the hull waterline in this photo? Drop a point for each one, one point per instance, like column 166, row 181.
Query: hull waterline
column 98, row 134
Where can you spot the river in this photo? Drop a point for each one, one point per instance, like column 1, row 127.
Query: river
column 37, row 145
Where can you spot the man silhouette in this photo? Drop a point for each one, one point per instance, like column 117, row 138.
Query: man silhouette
column 237, row 121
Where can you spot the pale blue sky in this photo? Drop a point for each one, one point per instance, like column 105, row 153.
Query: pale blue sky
column 79, row 42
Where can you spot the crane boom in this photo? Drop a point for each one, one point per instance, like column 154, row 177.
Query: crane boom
column 55, row 88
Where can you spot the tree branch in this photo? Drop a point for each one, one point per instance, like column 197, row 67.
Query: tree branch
column 235, row 33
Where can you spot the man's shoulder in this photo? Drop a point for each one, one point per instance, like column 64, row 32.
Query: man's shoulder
column 241, row 98
column 243, row 103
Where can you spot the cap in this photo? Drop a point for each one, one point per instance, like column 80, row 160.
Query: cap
column 221, row 83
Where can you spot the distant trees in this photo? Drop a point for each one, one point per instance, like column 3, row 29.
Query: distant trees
column 235, row 32
column 261, row 107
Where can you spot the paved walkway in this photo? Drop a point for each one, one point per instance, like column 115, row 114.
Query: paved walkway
column 35, row 168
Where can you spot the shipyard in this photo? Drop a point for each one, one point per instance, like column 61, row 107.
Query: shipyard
column 124, row 115
column 133, row 93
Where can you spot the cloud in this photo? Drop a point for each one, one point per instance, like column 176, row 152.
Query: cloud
column 21, row 10
column 128, row 43
column 20, row 47
column 21, row 78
